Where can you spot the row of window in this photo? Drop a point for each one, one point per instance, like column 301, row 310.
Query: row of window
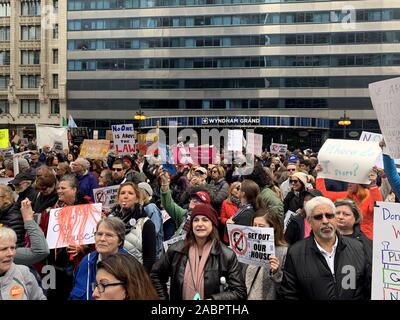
column 28, row 8
column 28, row 81
column 76, row 5
column 260, row 83
column 30, row 106
column 228, row 20
column 28, row 57
column 27, row 32
column 359, row 60
column 237, row 41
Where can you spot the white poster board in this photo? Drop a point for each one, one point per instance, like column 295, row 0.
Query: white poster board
column 107, row 196
column 373, row 137
column 252, row 245
column 235, row 140
column 50, row 134
column 124, row 139
column 385, row 97
column 17, row 156
column 254, row 143
column 277, row 148
column 348, row 160
column 75, row 225
column 386, row 252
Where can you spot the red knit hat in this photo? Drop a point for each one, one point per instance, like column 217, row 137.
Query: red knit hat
column 205, row 210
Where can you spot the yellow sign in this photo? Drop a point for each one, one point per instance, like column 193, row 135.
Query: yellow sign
column 95, row 149
column 4, row 142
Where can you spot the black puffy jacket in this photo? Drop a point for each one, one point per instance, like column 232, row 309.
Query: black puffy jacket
column 11, row 217
column 222, row 262
column 306, row 274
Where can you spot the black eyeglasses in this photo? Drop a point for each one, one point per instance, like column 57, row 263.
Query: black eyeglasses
column 293, row 181
column 117, row 169
column 291, row 169
column 101, row 287
column 329, row 216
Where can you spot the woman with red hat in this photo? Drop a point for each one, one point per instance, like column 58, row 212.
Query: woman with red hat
column 200, row 267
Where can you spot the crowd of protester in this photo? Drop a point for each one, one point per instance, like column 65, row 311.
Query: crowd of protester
column 330, row 226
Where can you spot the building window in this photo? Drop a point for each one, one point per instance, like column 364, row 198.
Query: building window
column 55, row 31
column 30, row 81
column 4, row 82
column 55, row 106
column 55, row 6
column 5, row 58
column 5, row 9
column 30, row 8
column 30, row 56
column 30, row 106
column 4, row 33
column 55, row 56
column 55, row 81
column 30, row 32
column 4, row 106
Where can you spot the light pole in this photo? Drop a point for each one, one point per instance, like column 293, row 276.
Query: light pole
column 344, row 121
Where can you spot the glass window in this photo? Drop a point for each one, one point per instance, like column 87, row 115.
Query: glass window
column 55, row 106
column 30, row 106
column 4, row 82
column 55, row 81
column 55, row 31
column 30, row 57
column 5, row 58
column 30, row 81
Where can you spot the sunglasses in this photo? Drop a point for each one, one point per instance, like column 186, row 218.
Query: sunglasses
column 291, row 169
column 319, row 217
column 293, row 181
column 117, row 169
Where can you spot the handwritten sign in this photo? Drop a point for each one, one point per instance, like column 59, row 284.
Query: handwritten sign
column 254, row 143
column 194, row 155
column 252, row 245
column 94, row 149
column 7, row 152
column 386, row 252
column 385, row 97
column 4, row 140
column 374, row 137
column 235, row 140
column 277, row 148
column 75, row 225
column 348, row 160
column 107, row 196
column 124, row 139
column 17, row 156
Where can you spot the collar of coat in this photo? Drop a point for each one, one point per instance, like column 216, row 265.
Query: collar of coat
column 311, row 242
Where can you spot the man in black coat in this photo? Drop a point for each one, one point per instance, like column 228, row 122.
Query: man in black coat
column 325, row 266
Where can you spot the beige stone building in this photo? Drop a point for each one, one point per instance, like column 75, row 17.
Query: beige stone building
column 32, row 64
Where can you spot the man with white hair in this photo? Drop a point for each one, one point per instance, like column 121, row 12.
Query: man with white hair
column 87, row 181
column 325, row 266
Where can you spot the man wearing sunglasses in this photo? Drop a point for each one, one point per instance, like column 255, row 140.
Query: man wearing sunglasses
column 326, row 265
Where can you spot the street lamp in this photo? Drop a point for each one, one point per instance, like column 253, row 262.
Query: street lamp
column 344, row 121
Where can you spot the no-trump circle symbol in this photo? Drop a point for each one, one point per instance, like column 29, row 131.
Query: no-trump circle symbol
column 238, row 241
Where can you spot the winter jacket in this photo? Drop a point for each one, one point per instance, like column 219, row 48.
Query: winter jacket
column 366, row 206
column 87, row 183
column 295, row 229
column 155, row 216
column 272, row 201
column 367, row 243
column 293, row 201
column 11, row 217
column 177, row 213
column 306, row 274
column 43, row 202
column 244, row 216
column 222, row 262
column 228, row 209
column 18, row 283
column 221, row 193
column 392, row 174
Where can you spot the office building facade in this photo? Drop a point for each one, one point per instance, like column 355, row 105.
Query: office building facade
column 288, row 64
column 32, row 64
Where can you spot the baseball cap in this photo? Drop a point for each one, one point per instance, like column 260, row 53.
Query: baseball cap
column 293, row 159
column 146, row 187
column 21, row 177
column 201, row 170
column 202, row 196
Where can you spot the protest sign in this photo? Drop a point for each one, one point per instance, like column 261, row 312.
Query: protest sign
column 4, row 139
column 252, row 245
column 124, row 140
column 170, row 242
column 348, row 160
column 254, row 143
column 17, row 156
column 194, row 155
column 385, row 97
column 47, row 135
column 7, row 152
column 235, row 140
column 107, row 196
column 94, row 149
column 78, row 135
column 109, row 135
column 386, row 252
column 277, row 148
column 75, row 225
column 373, row 137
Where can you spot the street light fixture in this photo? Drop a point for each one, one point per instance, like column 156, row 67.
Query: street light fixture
column 344, row 121
column 140, row 116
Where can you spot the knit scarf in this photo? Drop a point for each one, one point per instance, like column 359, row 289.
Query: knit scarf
column 235, row 201
column 193, row 281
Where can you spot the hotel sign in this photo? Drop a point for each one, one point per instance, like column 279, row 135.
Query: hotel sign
column 230, row 121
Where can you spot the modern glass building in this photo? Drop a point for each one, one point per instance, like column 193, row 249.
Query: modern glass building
column 188, row 60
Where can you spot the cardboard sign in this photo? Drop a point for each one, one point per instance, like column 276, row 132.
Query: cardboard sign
column 194, row 155
column 385, row 97
column 252, row 245
column 107, row 196
column 73, row 225
column 386, row 252
column 235, row 140
column 348, row 160
column 254, row 143
column 124, row 140
column 95, row 149
column 4, row 139
column 277, row 148
column 109, row 135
